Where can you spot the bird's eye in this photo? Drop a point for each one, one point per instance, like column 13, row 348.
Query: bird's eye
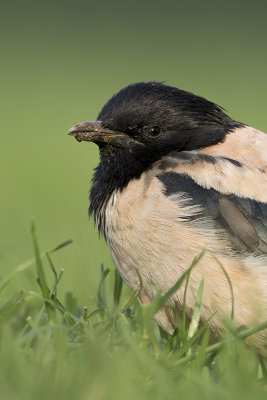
column 153, row 132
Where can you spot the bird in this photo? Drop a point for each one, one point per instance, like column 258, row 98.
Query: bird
column 178, row 177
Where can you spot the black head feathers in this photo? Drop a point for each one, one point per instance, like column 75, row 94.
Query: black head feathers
column 161, row 115
column 142, row 123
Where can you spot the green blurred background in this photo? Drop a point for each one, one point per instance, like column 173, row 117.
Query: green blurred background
column 62, row 60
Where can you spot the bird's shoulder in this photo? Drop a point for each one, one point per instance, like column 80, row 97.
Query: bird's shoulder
column 231, row 194
column 245, row 144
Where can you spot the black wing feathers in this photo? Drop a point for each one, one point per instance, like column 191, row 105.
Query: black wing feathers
column 238, row 223
column 243, row 220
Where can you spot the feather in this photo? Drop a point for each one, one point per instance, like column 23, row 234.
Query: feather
column 245, row 144
column 242, row 219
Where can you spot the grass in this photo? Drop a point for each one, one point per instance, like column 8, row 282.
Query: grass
column 54, row 348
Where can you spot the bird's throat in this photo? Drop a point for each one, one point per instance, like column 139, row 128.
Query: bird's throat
column 113, row 173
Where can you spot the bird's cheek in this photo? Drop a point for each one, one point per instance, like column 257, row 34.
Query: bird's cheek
column 176, row 139
column 120, row 141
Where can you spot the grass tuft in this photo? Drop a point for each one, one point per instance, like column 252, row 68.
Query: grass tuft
column 115, row 350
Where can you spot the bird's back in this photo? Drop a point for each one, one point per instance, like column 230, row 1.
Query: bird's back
column 244, row 144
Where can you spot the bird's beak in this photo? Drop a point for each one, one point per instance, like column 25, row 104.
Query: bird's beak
column 93, row 131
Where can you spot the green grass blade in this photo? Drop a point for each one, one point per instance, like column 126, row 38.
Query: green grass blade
column 61, row 245
column 101, row 293
column 41, row 276
column 51, row 265
column 217, row 346
column 253, row 330
column 183, row 325
column 160, row 300
column 8, row 304
column 71, row 303
column 25, row 265
column 39, row 265
column 230, row 287
column 117, row 288
column 201, row 356
column 20, row 268
column 196, row 312
column 57, row 277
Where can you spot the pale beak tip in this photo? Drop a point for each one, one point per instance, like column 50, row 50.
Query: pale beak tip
column 71, row 132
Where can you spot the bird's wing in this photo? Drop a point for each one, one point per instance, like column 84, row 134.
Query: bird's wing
column 205, row 181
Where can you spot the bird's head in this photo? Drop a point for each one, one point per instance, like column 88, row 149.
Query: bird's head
column 148, row 120
column 141, row 124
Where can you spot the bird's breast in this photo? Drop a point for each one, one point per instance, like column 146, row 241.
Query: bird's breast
column 146, row 231
column 152, row 241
